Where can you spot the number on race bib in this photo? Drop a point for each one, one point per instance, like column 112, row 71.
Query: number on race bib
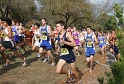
column 44, row 37
column 101, row 42
column 64, row 51
column 89, row 44
column 13, row 33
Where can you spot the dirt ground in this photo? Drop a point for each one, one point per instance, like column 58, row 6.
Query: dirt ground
column 38, row 72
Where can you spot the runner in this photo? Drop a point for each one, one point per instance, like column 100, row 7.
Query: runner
column 55, row 36
column 90, row 40
column 102, row 44
column 32, row 28
column 22, row 36
column 114, row 46
column 65, row 47
column 1, row 28
column 81, row 39
column 75, row 35
column 46, row 33
column 8, row 43
column 36, row 39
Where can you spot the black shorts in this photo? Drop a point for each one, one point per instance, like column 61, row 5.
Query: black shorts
column 9, row 44
column 70, row 58
column 116, row 50
column 21, row 38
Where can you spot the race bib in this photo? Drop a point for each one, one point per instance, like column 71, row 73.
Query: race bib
column 44, row 37
column 101, row 42
column 89, row 44
column 64, row 51
column 3, row 35
column 13, row 33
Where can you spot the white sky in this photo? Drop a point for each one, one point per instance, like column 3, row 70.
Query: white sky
column 105, row 4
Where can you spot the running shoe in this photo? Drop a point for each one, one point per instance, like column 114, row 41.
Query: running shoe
column 69, row 78
column 53, row 64
column 45, row 60
column 38, row 55
column 7, row 63
column 24, row 62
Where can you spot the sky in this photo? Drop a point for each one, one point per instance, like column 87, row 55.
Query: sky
column 106, row 5
column 98, row 4
column 38, row 4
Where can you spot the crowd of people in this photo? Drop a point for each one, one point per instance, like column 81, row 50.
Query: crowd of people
column 66, row 42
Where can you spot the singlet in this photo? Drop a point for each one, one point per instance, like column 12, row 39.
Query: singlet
column 14, row 30
column 101, row 39
column 89, row 40
column 65, row 49
column 36, row 32
column 44, row 30
column 6, row 38
column 75, row 35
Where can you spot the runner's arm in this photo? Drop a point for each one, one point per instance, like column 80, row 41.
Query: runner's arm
column 95, row 40
column 9, row 32
column 70, row 38
column 50, row 31
column 33, row 41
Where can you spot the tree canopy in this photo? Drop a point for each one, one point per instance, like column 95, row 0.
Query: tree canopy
column 79, row 13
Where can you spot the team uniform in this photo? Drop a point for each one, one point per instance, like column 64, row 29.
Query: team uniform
column 66, row 52
column 16, row 37
column 37, row 39
column 7, row 42
column 76, row 38
column 101, row 41
column 115, row 47
column 90, row 49
column 46, row 41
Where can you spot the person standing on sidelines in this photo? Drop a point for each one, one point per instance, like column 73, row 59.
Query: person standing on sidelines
column 90, row 40
column 66, row 44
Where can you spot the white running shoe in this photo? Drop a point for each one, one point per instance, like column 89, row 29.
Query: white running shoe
column 24, row 62
column 45, row 60
column 53, row 64
column 38, row 55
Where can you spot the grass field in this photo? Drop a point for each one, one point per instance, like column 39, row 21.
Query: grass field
column 38, row 72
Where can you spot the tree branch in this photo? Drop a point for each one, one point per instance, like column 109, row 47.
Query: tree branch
column 53, row 13
column 76, row 19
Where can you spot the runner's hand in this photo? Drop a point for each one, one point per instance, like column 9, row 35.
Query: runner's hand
column 58, row 52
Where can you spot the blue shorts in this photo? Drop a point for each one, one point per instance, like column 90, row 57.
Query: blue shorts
column 16, row 38
column 46, row 44
column 70, row 58
column 89, row 52
column 101, row 45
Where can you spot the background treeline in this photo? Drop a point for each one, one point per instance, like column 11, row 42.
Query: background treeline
column 79, row 13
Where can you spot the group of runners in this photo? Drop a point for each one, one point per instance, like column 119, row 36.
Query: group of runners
column 66, row 42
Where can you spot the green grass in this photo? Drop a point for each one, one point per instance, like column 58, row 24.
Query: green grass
column 36, row 72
